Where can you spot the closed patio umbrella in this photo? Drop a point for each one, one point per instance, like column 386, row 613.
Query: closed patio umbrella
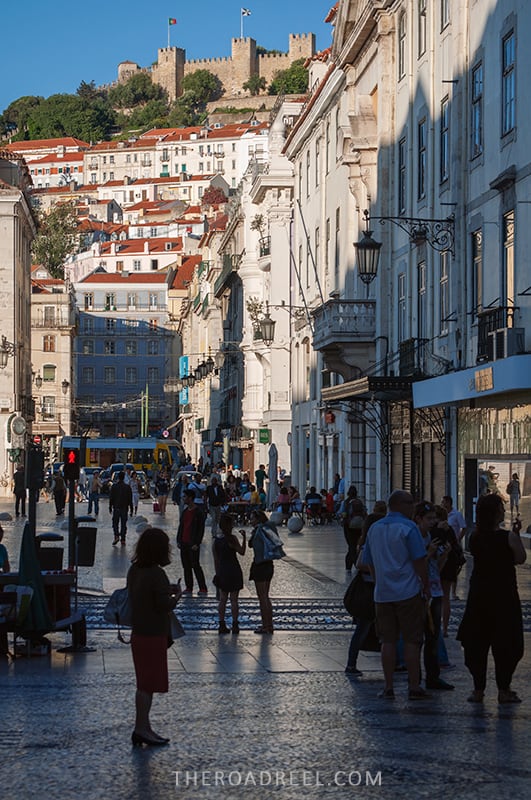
column 38, row 620
column 272, row 474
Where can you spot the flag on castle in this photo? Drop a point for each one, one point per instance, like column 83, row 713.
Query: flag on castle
column 172, row 21
column 246, row 12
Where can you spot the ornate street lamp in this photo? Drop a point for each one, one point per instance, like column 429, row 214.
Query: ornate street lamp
column 266, row 326
column 7, row 349
column 64, row 386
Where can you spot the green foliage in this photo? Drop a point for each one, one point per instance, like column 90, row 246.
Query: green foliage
column 56, row 239
column 203, row 85
column 255, row 85
column 88, row 91
column 146, row 115
column 262, row 51
column 70, row 115
column 17, row 115
column 138, row 90
column 184, row 113
column 293, row 80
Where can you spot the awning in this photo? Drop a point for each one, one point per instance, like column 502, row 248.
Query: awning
column 493, row 378
column 370, row 387
column 48, row 429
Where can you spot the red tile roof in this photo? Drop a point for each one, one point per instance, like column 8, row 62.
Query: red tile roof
column 42, row 144
column 185, row 271
column 159, row 277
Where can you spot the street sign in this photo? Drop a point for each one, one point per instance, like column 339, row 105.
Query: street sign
column 264, row 435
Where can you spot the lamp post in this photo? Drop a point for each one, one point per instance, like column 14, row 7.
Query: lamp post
column 7, row 350
column 439, row 234
column 265, row 325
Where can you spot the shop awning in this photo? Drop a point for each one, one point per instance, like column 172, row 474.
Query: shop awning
column 388, row 388
column 506, row 375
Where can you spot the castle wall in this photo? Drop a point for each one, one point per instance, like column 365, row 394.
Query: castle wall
column 170, row 68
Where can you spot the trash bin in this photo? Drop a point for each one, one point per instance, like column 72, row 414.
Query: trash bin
column 85, row 535
column 50, row 558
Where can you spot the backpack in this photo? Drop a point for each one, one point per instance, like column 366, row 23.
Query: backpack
column 509, row 487
column 118, row 611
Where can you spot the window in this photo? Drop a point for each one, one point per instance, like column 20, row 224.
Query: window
column 110, row 324
column 128, row 158
column 201, row 167
column 88, row 301
column 508, row 84
column 445, row 13
column 88, row 325
column 444, row 290
column 337, row 245
column 154, row 264
column 327, row 245
column 421, row 160
column 87, row 348
column 48, row 406
column 477, row 110
column 153, row 374
column 119, row 266
column 104, row 159
column 308, row 173
column 93, row 178
column 130, row 347
column 87, row 375
column 153, row 300
column 401, row 46
column 317, row 249
column 422, row 320
column 49, row 315
column 327, row 146
column 110, row 302
column 137, row 265
column 131, row 300
column 109, row 347
column 317, row 160
column 111, row 176
column 152, row 347
column 508, row 260
column 130, row 375
column 421, row 27
column 300, row 181
column 402, row 307
column 48, row 373
column 477, row 271
column 165, row 154
column 444, row 165
column 402, row 176
column 153, row 324
column 109, row 375
column 48, row 344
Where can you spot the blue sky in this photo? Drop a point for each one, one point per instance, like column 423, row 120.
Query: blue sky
column 50, row 47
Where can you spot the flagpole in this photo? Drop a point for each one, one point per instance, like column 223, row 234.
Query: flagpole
column 241, row 24
column 169, row 26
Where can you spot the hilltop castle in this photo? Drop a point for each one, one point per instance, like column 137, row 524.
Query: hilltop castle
column 171, row 66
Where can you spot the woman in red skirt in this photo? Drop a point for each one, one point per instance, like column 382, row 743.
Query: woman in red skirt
column 151, row 597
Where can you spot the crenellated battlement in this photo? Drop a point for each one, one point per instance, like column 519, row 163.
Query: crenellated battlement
column 233, row 71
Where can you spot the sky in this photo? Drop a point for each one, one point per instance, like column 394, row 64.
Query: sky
column 50, row 47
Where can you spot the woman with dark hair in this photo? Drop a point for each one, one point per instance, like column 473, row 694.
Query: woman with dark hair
column 493, row 615
column 151, row 597
column 261, row 571
column 363, row 625
column 229, row 577
column 353, row 515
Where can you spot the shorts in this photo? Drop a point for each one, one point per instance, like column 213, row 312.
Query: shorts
column 260, row 573
column 404, row 617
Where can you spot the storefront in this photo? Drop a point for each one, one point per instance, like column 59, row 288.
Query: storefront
column 491, row 429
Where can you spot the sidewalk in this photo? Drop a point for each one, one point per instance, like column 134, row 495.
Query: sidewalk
column 275, row 714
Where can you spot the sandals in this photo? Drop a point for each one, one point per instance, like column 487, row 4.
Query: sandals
column 387, row 694
column 476, row 696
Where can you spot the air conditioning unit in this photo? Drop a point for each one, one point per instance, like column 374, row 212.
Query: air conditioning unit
column 505, row 342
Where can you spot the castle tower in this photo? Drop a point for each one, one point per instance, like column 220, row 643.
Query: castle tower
column 168, row 71
column 244, row 61
column 301, row 45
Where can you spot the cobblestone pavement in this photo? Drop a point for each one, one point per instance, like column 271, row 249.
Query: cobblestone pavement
column 274, row 714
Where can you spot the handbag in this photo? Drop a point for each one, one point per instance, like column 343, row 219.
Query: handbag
column 176, row 629
column 359, row 598
column 118, row 611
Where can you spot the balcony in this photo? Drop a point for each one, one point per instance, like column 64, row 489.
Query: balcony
column 61, row 319
column 490, row 320
column 231, row 263
column 344, row 332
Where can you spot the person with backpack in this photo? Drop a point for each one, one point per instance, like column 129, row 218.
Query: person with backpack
column 266, row 546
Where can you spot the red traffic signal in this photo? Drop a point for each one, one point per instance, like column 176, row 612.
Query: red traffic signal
column 71, row 466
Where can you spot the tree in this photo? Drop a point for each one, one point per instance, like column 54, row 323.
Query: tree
column 88, row 91
column 70, row 115
column 136, row 91
column 213, row 196
column 293, row 80
column 184, row 113
column 56, row 239
column 18, row 113
column 255, row 85
column 203, row 85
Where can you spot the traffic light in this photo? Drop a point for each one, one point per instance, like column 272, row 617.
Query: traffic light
column 35, row 465
column 71, row 465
